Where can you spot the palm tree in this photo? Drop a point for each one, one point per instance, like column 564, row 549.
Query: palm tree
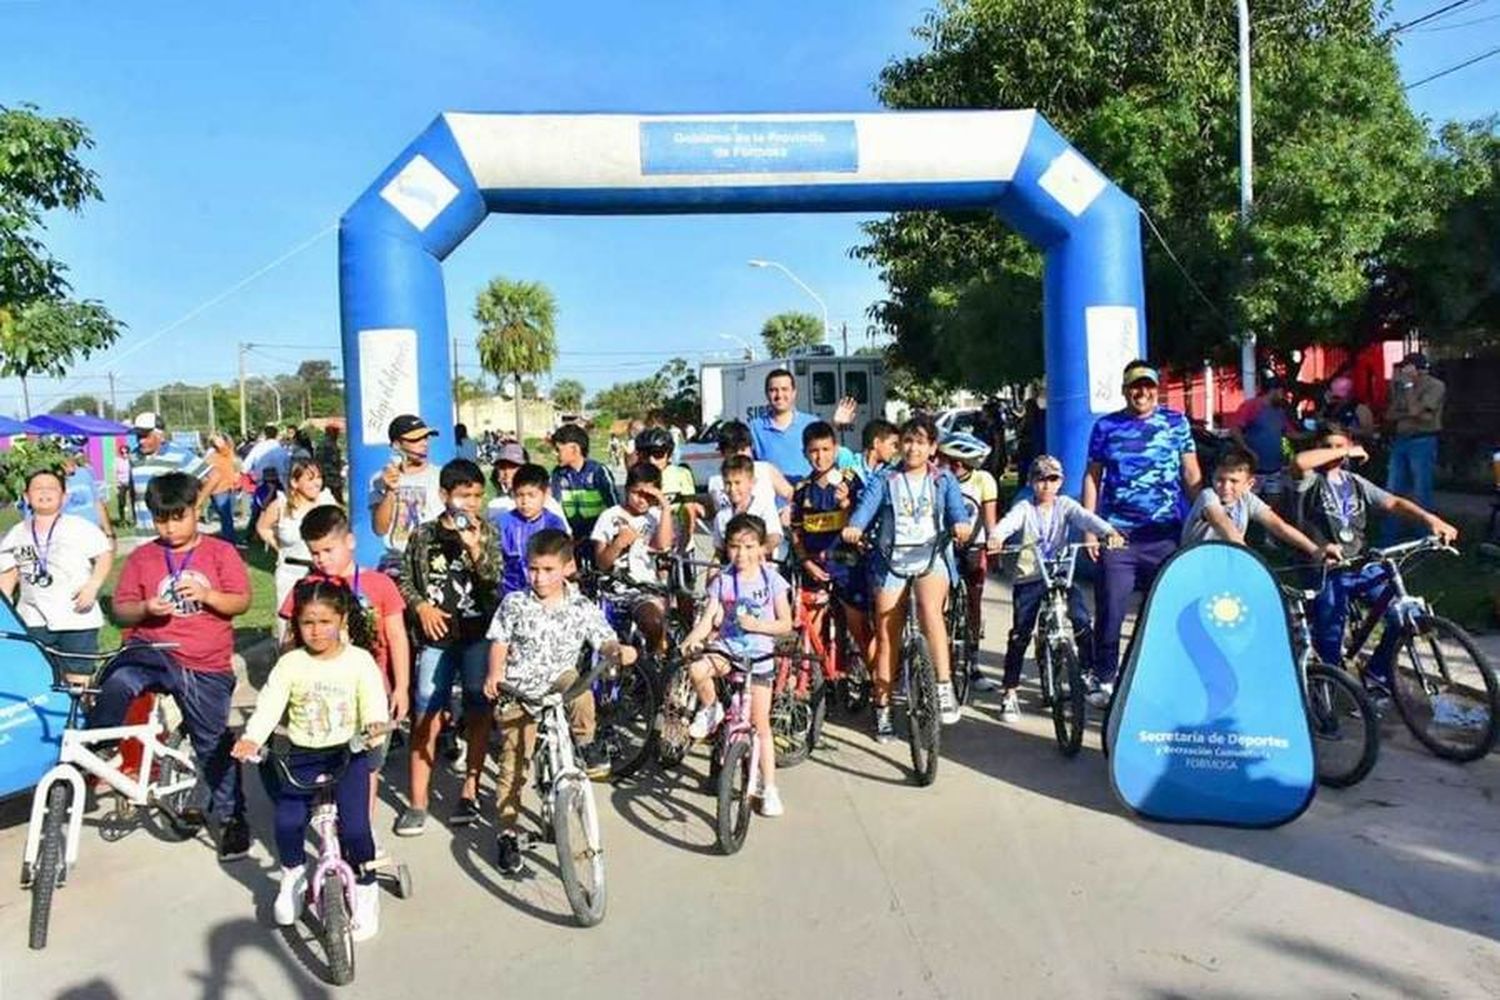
column 516, row 335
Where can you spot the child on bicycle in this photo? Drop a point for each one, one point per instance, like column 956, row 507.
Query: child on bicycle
column 1334, row 505
column 878, row 444
column 820, row 511
column 628, row 536
column 655, row 445
column 583, row 487
column 738, row 476
column 325, row 690
column 535, row 639
column 185, row 588
column 770, row 484
column 914, row 508
column 748, row 606
column 450, row 582
column 1045, row 520
column 1225, row 512
column 57, row 561
column 963, row 454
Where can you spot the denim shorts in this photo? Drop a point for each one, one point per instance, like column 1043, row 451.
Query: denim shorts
column 439, row 667
column 884, row 579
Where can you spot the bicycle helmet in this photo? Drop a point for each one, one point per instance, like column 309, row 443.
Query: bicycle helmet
column 654, row 440
column 964, row 446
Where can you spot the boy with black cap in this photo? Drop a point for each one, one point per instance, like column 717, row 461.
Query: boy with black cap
column 406, row 493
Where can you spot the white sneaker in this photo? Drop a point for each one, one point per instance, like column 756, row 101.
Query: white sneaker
column 770, row 802
column 706, row 721
column 1010, row 708
column 755, row 785
column 948, row 704
column 291, row 897
column 366, row 910
column 1101, row 695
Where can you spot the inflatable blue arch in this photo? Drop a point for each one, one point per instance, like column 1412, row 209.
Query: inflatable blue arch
column 393, row 240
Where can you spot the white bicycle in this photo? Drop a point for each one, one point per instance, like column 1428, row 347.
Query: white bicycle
column 165, row 781
column 568, row 811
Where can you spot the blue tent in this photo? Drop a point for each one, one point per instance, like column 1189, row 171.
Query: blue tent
column 9, row 427
column 74, row 425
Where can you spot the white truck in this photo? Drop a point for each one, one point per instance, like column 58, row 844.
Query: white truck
column 736, row 391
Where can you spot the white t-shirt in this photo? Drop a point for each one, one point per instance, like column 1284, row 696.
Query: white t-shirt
column 417, row 500
column 67, row 553
column 759, row 506
column 762, row 492
column 638, row 562
column 913, row 499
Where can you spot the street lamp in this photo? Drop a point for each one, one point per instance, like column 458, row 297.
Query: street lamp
column 1247, row 183
column 733, row 339
column 803, row 285
column 274, row 391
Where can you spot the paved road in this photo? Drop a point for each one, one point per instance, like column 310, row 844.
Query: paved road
column 1017, row 874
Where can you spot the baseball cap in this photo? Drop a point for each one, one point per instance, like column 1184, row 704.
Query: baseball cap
column 147, row 422
column 1044, row 465
column 406, row 425
column 1141, row 373
column 511, row 454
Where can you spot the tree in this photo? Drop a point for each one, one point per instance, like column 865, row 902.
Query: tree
column 629, row 399
column 567, row 393
column 679, row 383
column 465, row 389
column 673, row 389
column 787, row 331
column 516, row 331
column 42, row 331
column 1148, row 91
column 90, row 405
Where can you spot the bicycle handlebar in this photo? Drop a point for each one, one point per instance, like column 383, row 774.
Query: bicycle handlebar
column 566, row 692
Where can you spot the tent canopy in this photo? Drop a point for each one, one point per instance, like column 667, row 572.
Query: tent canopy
column 74, row 425
column 9, row 427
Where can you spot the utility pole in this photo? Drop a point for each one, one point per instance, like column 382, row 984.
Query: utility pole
column 99, row 405
column 156, row 402
column 453, row 359
column 1247, row 185
column 844, row 332
column 243, row 425
column 114, row 404
column 213, row 426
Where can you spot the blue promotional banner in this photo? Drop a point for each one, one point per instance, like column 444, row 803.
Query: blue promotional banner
column 749, row 147
column 31, row 713
column 1209, row 724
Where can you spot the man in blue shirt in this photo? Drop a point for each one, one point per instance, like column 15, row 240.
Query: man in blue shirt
column 1261, row 426
column 777, row 433
column 1142, row 471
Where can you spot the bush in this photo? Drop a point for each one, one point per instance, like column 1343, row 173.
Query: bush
column 24, row 457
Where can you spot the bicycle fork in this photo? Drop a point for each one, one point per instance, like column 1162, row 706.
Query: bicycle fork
column 60, row 772
column 325, row 820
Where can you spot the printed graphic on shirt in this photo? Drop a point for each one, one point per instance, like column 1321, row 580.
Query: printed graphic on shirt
column 181, row 606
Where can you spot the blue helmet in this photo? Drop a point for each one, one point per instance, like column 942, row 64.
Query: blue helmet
column 964, row 447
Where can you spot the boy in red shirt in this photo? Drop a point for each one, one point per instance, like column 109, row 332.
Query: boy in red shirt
column 326, row 532
column 184, row 588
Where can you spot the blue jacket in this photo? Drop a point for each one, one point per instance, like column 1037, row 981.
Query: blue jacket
column 875, row 504
column 515, row 532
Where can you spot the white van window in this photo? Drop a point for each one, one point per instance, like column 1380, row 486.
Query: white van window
column 857, row 386
column 825, row 389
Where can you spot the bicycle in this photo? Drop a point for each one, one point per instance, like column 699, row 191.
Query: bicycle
column 737, row 750
column 165, row 781
column 1059, row 666
column 625, row 698
column 568, row 811
column 830, row 665
column 919, row 683
column 1344, row 723
column 963, row 627
column 1445, row 689
column 331, row 886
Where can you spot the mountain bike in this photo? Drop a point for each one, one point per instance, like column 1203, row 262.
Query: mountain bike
column 963, row 625
column 1444, row 687
column 569, row 813
column 165, row 781
column 919, row 682
column 831, row 666
column 625, row 697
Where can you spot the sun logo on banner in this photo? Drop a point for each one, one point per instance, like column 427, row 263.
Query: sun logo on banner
column 1227, row 611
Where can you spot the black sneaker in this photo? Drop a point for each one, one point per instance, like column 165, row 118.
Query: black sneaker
column 411, row 823
column 234, row 839
column 596, row 762
column 885, row 730
column 508, row 854
column 465, row 813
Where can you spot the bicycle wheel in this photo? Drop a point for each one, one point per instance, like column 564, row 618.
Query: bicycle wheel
column 674, row 715
column 580, row 853
column 734, row 797
column 960, row 662
column 1345, row 727
column 1446, row 690
column 337, row 932
column 817, row 696
column 175, row 806
column 46, row 874
column 625, row 707
column 1069, row 710
column 1044, row 674
column 792, row 717
column 923, row 716
column 854, row 686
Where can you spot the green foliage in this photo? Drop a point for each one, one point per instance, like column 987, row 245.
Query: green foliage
column 673, row 389
column 1148, row 91
column 46, row 337
column 465, row 389
column 84, row 404
column 21, row 459
column 517, row 333
column 787, row 331
column 568, row 394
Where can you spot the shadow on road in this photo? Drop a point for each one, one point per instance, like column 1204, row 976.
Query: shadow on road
column 656, row 801
column 226, row 941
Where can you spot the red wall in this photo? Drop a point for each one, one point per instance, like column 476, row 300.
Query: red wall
column 1371, row 373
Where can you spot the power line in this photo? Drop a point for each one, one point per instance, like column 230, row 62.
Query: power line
column 1460, row 24
column 1186, row 276
column 1397, row 29
column 1455, row 68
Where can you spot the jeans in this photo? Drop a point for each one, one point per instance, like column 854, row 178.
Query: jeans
column 439, row 667
column 1413, row 461
column 203, row 698
column 1026, row 604
column 293, row 806
column 1331, row 610
column 1121, row 573
column 84, row 640
column 223, row 504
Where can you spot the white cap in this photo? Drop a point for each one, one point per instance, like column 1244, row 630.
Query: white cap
column 147, row 422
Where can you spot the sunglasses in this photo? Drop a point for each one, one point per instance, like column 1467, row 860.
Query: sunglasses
column 1048, row 479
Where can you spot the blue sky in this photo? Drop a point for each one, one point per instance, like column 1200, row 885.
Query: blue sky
column 227, row 139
